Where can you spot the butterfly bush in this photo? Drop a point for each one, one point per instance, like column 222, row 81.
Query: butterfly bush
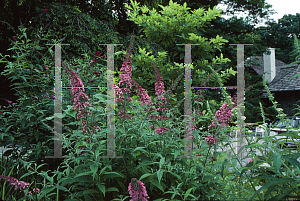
column 21, row 185
column 36, row 190
column 211, row 140
column 77, row 94
column 223, row 116
column 46, row 11
column 144, row 98
column 160, row 89
column 137, row 190
column 127, row 81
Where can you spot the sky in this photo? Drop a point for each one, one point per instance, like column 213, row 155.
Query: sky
column 284, row 7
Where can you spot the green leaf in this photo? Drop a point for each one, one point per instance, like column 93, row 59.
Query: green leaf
column 140, row 148
column 172, row 173
column 254, row 145
column 62, row 188
column 103, row 169
column 293, row 162
column 187, row 193
column 36, row 135
column 83, row 174
column 49, row 118
column 144, row 175
column 94, row 169
column 269, row 191
column 223, row 166
column 161, row 162
column 6, row 131
column 159, row 174
column 207, row 178
column 23, row 122
column 46, row 191
column 156, row 184
column 89, row 191
column 292, row 78
column 113, row 174
column 275, row 182
column 112, row 189
column 27, row 102
column 70, row 111
column 102, row 188
column 277, row 162
column 27, row 174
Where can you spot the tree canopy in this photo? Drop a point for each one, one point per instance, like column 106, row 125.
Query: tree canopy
column 233, row 30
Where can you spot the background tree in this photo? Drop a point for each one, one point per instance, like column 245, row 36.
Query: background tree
column 279, row 35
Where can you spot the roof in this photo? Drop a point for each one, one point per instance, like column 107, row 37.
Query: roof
column 284, row 73
column 281, row 80
column 257, row 63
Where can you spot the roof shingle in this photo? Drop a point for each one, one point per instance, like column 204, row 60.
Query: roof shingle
column 284, row 73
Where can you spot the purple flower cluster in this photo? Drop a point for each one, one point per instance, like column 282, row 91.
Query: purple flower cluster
column 213, row 158
column 81, row 147
column 154, row 116
column 97, row 55
column 159, row 89
column 118, row 93
column 36, row 190
column 126, row 69
column 77, row 94
column 211, row 140
column 8, row 101
column 46, row 11
column 163, row 117
column 250, row 161
column 143, row 95
column 161, row 130
column 223, row 116
column 14, row 182
column 137, row 190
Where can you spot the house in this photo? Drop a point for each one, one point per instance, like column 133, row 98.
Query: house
column 278, row 74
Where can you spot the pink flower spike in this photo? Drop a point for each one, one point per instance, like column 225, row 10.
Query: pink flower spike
column 14, row 182
column 103, row 56
column 137, row 190
column 46, row 11
column 211, row 140
column 46, row 67
column 37, row 190
column 14, row 38
column 94, row 59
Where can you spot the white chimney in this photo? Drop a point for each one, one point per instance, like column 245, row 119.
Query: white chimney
column 269, row 65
